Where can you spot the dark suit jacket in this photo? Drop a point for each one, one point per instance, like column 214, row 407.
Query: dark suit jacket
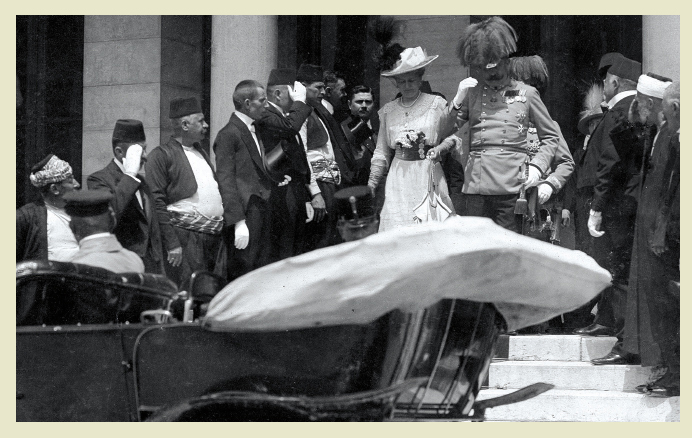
column 137, row 229
column 600, row 156
column 275, row 128
column 170, row 178
column 32, row 233
column 343, row 154
column 240, row 169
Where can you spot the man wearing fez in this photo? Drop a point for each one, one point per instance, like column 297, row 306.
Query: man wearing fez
column 329, row 154
column 245, row 182
column 186, row 196
column 499, row 110
column 615, row 227
column 43, row 227
column 596, row 189
column 92, row 220
column 300, row 201
column 655, row 273
column 137, row 227
column 360, row 129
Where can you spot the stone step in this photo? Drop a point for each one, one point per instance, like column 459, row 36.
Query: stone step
column 585, row 405
column 554, row 347
column 567, row 375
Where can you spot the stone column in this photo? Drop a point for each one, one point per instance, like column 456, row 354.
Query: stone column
column 243, row 47
column 133, row 67
column 661, row 45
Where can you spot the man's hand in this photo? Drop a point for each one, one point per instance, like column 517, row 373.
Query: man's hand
column 319, row 206
column 298, row 92
column 133, row 160
column 566, row 217
column 544, row 193
column 433, row 155
column 464, row 86
column 594, row 223
column 309, row 211
column 175, row 256
column 242, row 235
column 287, row 179
column 658, row 249
column 373, row 189
column 534, row 177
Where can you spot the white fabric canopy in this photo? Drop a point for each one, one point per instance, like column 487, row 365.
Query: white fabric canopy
column 411, row 268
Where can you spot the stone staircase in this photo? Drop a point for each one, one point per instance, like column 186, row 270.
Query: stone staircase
column 583, row 392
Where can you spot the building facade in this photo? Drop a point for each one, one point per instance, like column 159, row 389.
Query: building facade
column 76, row 75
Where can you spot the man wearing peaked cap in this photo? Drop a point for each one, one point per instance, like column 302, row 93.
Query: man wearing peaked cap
column 291, row 205
column 43, row 227
column 137, row 227
column 186, row 196
column 602, row 182
column 92, row 220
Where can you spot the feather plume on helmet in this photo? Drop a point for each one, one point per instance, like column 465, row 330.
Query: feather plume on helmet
column 530, row 70
column 487, row 42
column 592, row 108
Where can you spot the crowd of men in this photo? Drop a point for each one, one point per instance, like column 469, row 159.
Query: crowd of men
column 293, row 143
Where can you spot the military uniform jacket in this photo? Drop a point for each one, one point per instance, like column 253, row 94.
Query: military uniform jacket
column 499, row 120
column 137, row 228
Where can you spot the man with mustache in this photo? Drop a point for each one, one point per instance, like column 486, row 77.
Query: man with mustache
column 498, row 112
column 360, row 128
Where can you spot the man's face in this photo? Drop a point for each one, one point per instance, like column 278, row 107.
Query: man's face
column 361, row 105
column 609, row 87
column 671, row 111
column 315, row 90
column 337, row 94
column 256, row 107
column 197, row 127
column 496, row 76
column 641, row 109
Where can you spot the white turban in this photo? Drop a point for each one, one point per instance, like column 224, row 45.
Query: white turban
column 651, row 86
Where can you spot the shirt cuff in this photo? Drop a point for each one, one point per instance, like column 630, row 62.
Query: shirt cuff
column 134, row 178
column 314, row 188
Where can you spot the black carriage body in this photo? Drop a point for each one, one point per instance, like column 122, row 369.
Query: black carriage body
column 121, row 370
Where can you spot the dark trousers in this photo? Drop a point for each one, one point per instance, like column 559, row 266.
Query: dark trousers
column 151, row 264
column 258, row 251
column 288, row 220
column 499, row 208
column 324, row 233
column 201, row 252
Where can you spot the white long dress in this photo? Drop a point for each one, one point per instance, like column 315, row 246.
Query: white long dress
column 407, row 181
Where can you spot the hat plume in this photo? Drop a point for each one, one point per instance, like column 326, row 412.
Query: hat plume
column 487, row 41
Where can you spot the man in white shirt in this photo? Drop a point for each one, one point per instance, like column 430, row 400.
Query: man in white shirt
column 43, row 227
column 186, row 195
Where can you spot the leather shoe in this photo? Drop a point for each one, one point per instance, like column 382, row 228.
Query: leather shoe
column 663, row 391
column 614, row 359
column 595, row 330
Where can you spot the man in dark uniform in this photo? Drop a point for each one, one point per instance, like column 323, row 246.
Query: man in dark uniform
column 653, row 313
column 329, row 154
column 595, row 182
column 360, row 129
column 137, row 227
column 291, row 204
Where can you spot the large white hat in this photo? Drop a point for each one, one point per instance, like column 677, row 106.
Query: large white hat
column 410, row 59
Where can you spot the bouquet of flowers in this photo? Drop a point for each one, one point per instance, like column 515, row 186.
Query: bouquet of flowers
column 410, row 138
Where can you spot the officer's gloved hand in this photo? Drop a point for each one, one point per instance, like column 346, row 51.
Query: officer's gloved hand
column 544, row 193
column 594, row 223
column 298, row 92
column 242, row 235
column 534, row 177
column 464, row 86
column 133, row 160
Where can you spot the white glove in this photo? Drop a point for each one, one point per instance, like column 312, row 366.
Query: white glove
column 298, row 92
column 544, row 193
column 566, row 217
column 534, row 176
column 287, row 179
column 594, row 223
column 463, row 89
column 242, row 235
column 133, row 160
column 310, row 212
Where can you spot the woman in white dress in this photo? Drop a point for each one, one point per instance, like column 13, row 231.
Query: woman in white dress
column 408, row 144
